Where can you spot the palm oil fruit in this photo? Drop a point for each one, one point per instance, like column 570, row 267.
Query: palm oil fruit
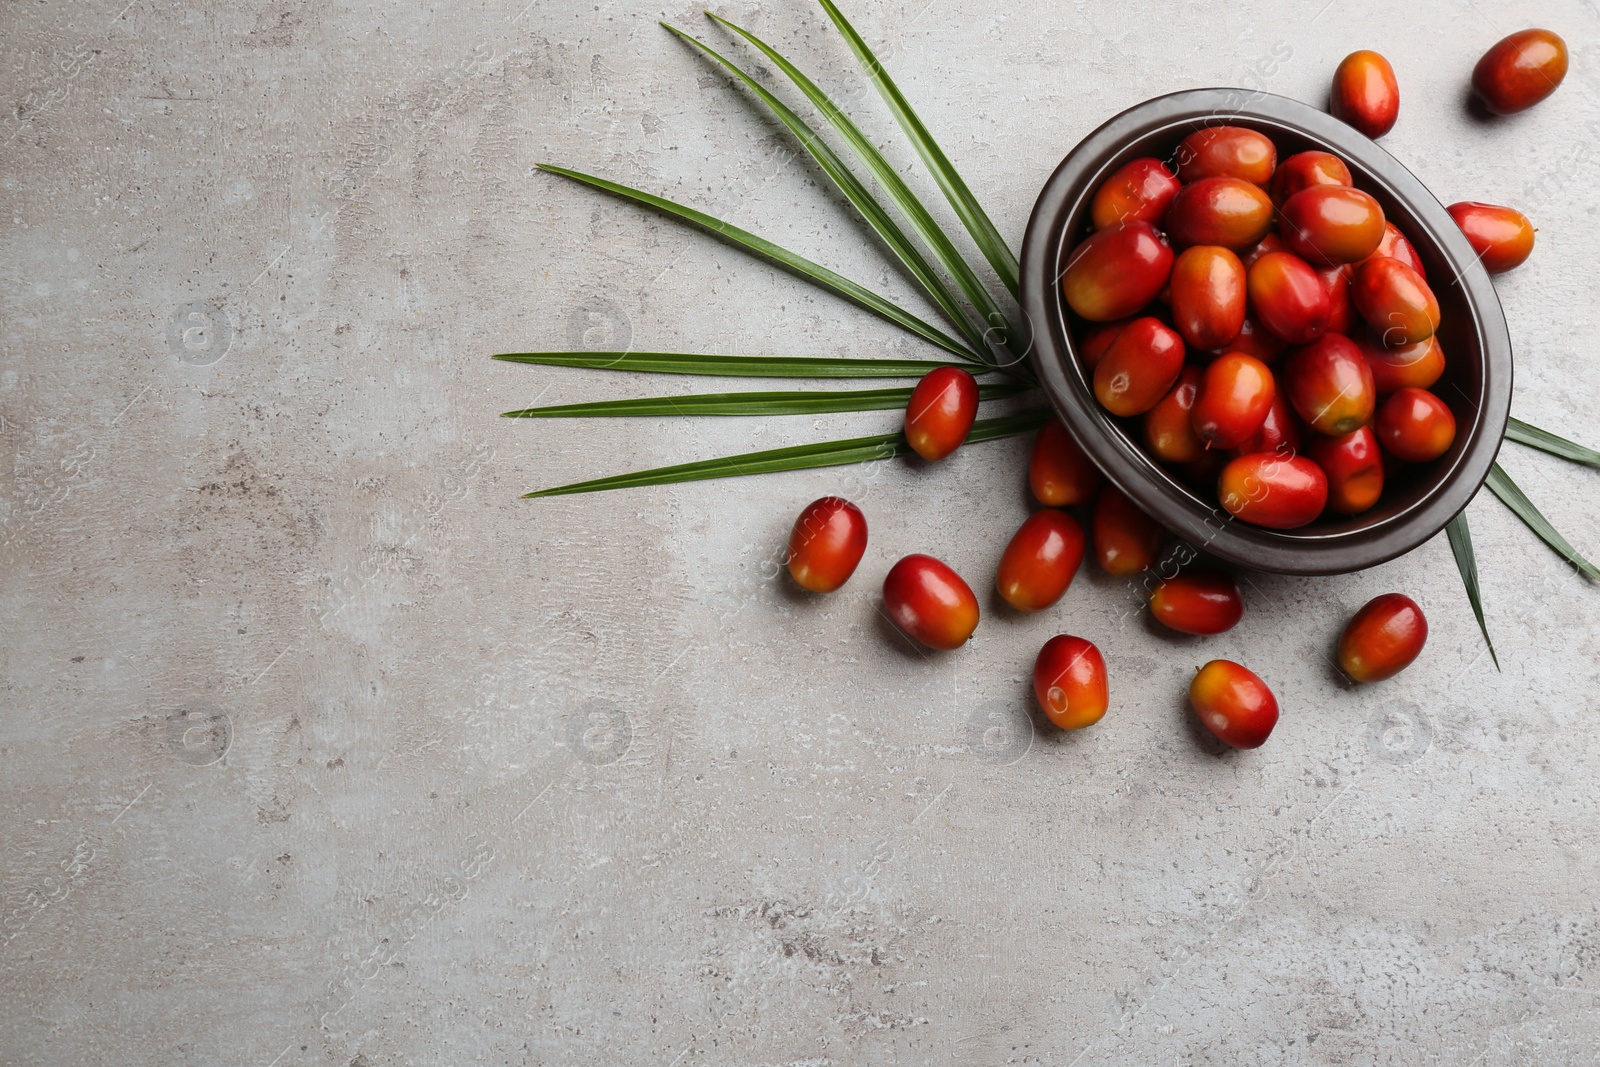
column 1354, row 467
column 930, row 602
column 1383, row 638
column 1126, row 540
column 1139, row 367
column 1415, row 426
column 1069, row 681
column 1341, row 313
column 1280, row 492
column 1332, row 224
column 1098, row 338
column 1200, row 603
column 1395, row 301
column 1418, row 365
column 1060, row 474
column 1234, row 399
column 1040, row 561
column 941, row 411
column 826, row 544
column 1288, row 298
column 1501, row 236
column 1256, row 340
column 1116, row 271
column 1233, row 703
column 1395, row 246
column 1519, row 71
column 1305, row 169
column 1208, row 296
column 1227, row 152
column 1230, row 212
column 1365, row 94
column 1279, row 432
column 1168, row 431
column 1330, row 385
column 1138, row 191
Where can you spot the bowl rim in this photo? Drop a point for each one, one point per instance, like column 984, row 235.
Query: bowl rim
column 1152, row 487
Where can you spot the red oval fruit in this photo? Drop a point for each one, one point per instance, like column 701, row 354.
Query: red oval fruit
column 1288, row 298
column 826, row 544
column 1040, row 560
column 1395, row 246
column 1138, row 191
column 1354, row 467
column 1234, row 399
column 1395, row 301
column 1416, row 426
column 1519, row 71
column 1256, row 340
column 1276, row 491
column 1365, row 94
column 1117, row 271
column 1126, row 540
column 1059, row 472
column 930, row 602
column 1280, row 431
column 1069, row 681
column 1230, row 212
column 1200, row 603
column 1332, row 224
column 1418, row 365
column 1167, row 429
column 1208, row 295
column 1139, row 368
column 1341, row 313
column 940, row 413
column 1383, row 638
column 1233, row 703
column 1501, row 236
column 1305, row 169
column 1330, row 385
column 1227, row 152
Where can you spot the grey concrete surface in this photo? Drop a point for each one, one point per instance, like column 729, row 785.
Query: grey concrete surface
column 320, row 746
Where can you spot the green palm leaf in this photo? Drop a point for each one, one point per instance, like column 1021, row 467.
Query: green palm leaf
column 808, row 402
column 1545, row 441
column 918, row 215
column 797, row 457
column 988, row 239
column 856, row 193
column 813, row 272
column 737, row 366
column 1501, row 485
column 1467, row 564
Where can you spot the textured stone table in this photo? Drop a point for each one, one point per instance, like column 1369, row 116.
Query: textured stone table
column 320, row 746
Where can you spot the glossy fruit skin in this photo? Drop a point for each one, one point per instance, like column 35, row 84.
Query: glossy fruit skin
column 1280, row 431
column 1069, row 681
column 1061, row 474
column 1117, row 271
column 930, row 602
column 1501, row 236
column 1234, row 399
column 1519, row 71
column 1040, row 560
column 1288, row 298
column 1233, row 703
column 1256, row 340
column 1230, row 212
column 1139, row 368
column 1330, row 385
column 1208, row 296
column 940, row 413
column 1383, row 638
column 1395, row 301
column 1305, row 169
column 1167, row 431
column 827, row 542
column 1227, row 152
column 1365, row 94
column 1395, row 246
column 1332, row 224
column 1418, row 365
column 1200, row 603
column 1342, row 316
column 1276, row 491
column 1354, row 466
column 1416, row 426
column 1270, row 243
column 1097, row 339
column 1138, row 191
column 1126, row 540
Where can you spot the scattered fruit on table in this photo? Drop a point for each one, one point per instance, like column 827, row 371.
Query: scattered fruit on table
column 1502, row 236
column 1040, row 560
column 941, row 412
column 1126, row 540
column 1365, row 93
column 930, row 602
column 1069, row 681
column 1233, row 704
column 826, row 544
column 1201, row 602
column 1519, row 71
column 1383, row 638
column 1060, row 473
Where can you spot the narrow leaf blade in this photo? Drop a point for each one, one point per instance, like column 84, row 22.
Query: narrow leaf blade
column 1467, row 564
column 1530, row 435
column 797, row 402
column 1510, row 494
column 966, row 206
column 760, row 246
column 797, row 457
column 737, row 366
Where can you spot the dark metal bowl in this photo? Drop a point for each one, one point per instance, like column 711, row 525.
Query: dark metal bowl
column 1476, row 382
